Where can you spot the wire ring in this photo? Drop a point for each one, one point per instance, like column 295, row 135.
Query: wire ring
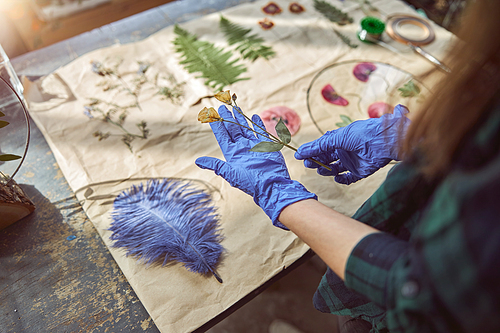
column 395, row 22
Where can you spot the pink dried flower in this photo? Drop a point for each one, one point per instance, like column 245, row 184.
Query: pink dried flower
column 363, row 70
column 331, row 96
column 378, row 109
column 266, row 24
column 296, row 8
column 271, row 116
column 271, row 9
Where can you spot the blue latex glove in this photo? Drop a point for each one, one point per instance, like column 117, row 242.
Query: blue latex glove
column 358, row 149
column 264, row 176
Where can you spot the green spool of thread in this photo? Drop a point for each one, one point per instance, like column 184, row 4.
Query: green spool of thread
column 371, row 26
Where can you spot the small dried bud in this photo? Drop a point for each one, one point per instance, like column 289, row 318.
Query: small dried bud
column 208, row 115
column 87, row 109
column 234, row 97
column 98, row 68
column 224, row 97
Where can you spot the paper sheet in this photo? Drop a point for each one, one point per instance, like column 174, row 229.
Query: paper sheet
column 178, row 300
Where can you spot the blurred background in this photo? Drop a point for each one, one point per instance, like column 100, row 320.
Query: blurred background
column 27, row 25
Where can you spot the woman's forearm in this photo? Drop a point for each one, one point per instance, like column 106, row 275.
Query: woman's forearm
column 331, row 235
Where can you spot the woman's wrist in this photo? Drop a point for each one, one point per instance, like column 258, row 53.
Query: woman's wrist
column 330, row 234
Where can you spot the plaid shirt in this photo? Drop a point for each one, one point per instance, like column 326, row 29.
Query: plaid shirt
column 436, row 265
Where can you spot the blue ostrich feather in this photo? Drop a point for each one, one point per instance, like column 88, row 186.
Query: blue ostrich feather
column 168, row 221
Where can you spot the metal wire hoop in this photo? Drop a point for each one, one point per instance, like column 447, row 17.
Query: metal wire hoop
column 395, row 21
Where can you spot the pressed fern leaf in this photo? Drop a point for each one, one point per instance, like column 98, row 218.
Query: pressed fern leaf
column 212, row 62
column 250, row 46
column 332, row 13
column 345, row 39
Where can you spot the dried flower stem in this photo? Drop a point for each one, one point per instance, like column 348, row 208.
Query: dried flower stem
column 107, row 118
column 208, row 115
column 127, row 88
column 274, row 138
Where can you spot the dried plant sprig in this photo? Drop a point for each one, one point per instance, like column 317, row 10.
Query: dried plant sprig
column 208, row 115
column 332, row 13
column 115, row 115
column 140, row 80
column 345, row 39
column 174, row 92
column 102, row 70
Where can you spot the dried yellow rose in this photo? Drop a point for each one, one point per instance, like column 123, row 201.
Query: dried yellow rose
column 208, row 115
column 224, row 97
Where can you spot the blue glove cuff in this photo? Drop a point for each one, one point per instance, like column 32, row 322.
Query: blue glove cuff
column 281, row 193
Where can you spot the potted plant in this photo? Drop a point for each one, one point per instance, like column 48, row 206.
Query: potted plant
column 14, row 204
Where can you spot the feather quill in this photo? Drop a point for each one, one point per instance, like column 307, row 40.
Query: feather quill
column 168, row 221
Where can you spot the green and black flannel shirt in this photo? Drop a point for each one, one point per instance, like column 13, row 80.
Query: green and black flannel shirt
column 436, row 265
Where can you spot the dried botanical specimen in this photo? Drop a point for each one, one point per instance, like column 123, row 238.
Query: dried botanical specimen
column 273, row 115
column 114, row 111
column 378, row 109
column 331, row 96
column 212, row 63
column 250, row 46
column 345, row 39
column 363, row 70
column 346, row 120
column 271, row 8
column 208, row 115
column 332, row 13
column 296, row 8
column 266, row 24
column 276, row 143
column 409, row 89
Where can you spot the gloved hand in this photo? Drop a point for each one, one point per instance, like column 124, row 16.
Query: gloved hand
column 358, row 149
column 264, row 176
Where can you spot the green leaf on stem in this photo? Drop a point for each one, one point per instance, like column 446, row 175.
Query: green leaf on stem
column 409, row 89
column 9, row 157
column 266, row 147
column 345, row 121
column 3, row 123
column 2, row 114
column 283, row 132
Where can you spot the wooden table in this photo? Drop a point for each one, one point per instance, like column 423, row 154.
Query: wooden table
column 56, row 274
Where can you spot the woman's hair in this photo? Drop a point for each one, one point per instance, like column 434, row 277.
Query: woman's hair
column 460, row 99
